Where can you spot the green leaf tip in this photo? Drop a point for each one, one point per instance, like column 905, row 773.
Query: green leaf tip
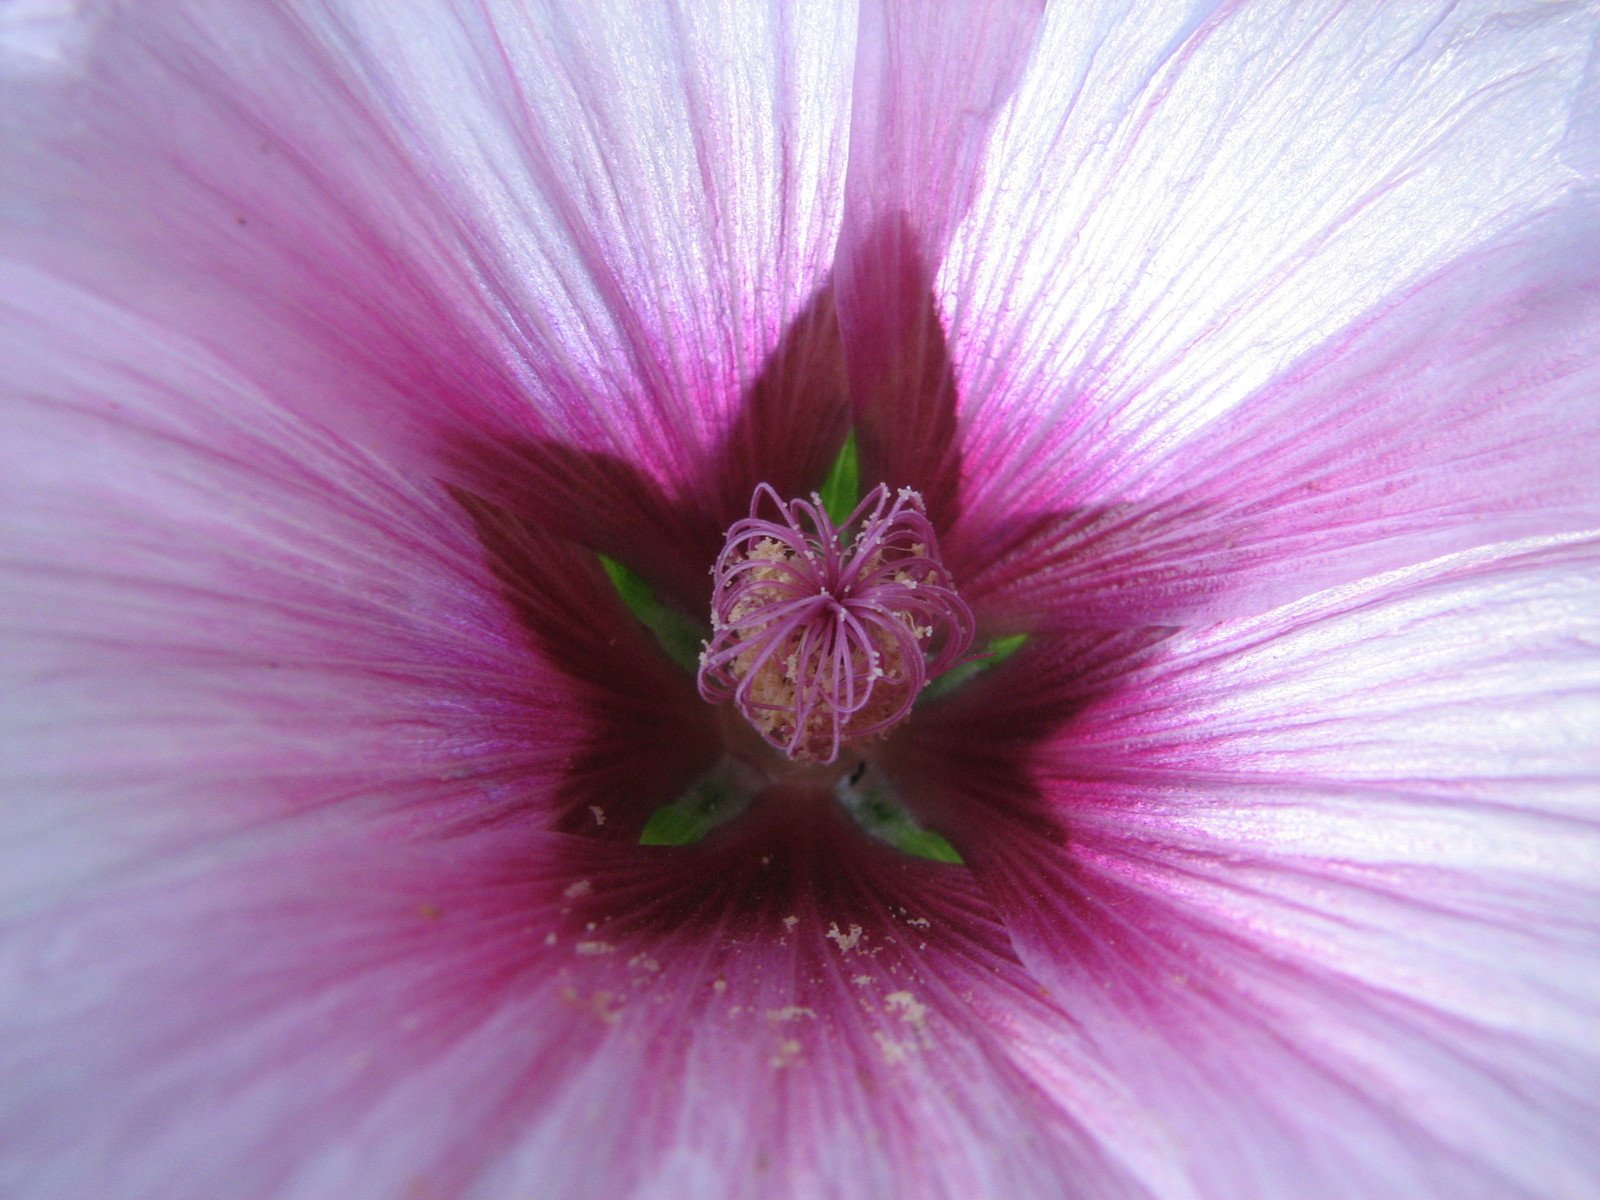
column 905, row 835
column 634, row 591
column 925, row 843
column 841, row 490
column 994, row 653
column 716, row 797
column 869, row 798
column 680, row 637
column 673, row 825
column 1001, row 648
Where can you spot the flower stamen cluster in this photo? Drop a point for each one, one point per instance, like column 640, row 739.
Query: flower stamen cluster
column 821, row 637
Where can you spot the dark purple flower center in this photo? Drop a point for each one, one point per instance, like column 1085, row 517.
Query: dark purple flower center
column 823, row 635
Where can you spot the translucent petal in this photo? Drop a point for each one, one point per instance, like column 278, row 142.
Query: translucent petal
column 496, row 223
column 1320, row 887
column 1460, row 413
column 217, row 615
column 929, row 84
column 359, row 1010
column 1181, row 204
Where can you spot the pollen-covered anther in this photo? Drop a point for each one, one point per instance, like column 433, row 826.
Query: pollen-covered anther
column 823, row 634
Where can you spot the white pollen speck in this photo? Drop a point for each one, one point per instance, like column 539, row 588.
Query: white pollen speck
column 592, row 949
column 791, row 1012
column 861, row 980
column 550, row 938
column 907, row 1006
column 644, row 963
column 582, row 888
column 788, row 1051
column 598, row 813
column 919, row 922
column 719, row 986
column 892, row 1051
column 845, row 941
column 790, row 922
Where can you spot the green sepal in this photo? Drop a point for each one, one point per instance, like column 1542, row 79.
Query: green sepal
column 634, row 591
column 671, row 825
column 925, row 843
column 680, row 637
column 721, row 793
column 996, row 652
column 841, row 490
column 880, row 814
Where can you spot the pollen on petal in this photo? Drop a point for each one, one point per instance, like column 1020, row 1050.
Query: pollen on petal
column 823, row 634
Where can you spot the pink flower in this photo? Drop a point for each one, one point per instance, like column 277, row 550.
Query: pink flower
column 1244, row 360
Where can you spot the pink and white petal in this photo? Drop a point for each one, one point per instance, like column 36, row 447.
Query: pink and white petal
column 1184, row 201
column 41, row 40
column 1461, row 413
column 218, row 616
column 1320, row 886
column 367, row 1011
column 494, row 222
column 828, row 1019
column 1580, row 149
column 930, row 81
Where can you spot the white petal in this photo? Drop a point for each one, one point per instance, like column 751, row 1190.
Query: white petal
column 1459, row 414
column 1181, row 203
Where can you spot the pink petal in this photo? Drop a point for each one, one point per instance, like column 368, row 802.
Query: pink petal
column 41, row 40
column 342, row 1009
column 1459, row 414
column 1320, row 887
column 458, row 230
column 930, row 82
column 1179, row 207
column 218, row 614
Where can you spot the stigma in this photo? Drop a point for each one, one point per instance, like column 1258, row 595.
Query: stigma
column 823, row 635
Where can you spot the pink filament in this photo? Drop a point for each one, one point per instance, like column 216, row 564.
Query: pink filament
column 819, row 641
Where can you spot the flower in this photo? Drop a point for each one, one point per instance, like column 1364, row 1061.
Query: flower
column 1243, row 358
